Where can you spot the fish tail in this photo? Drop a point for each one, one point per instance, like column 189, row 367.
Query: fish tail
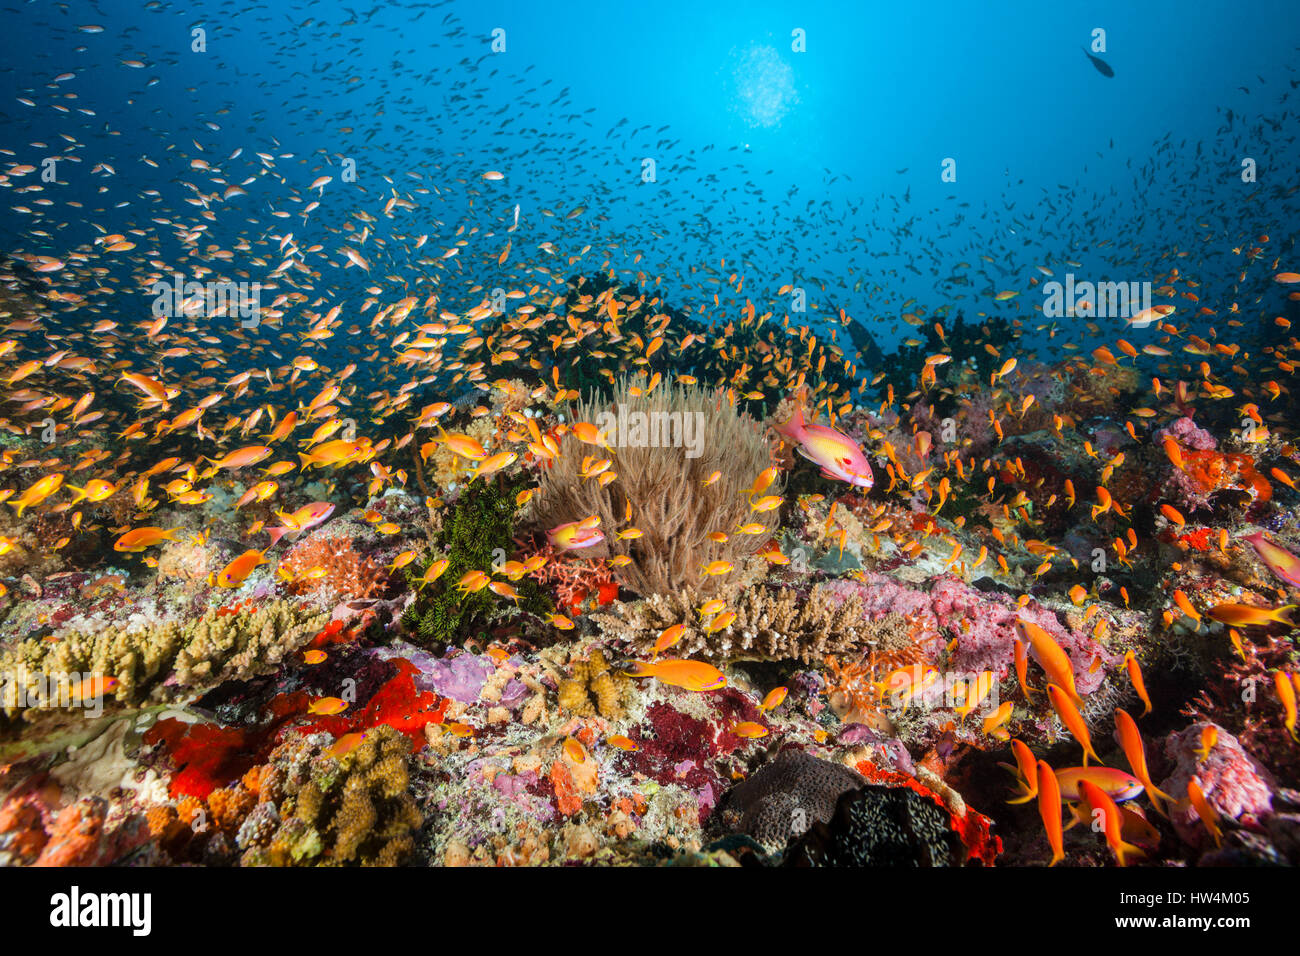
column 80, row 493
column 1124, row 849
column 793, row 427
column 1286, row 615
column 307, row 460
column 276, row 534
column 639, row 668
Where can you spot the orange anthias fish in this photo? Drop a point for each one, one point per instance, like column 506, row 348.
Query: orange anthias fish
column 1026, row 769
column 1111, row 819
column 345, row 745
column 1209, row 740
column 1051, row 658
column 695, row 676
column 1210, row 819
column 666, row 639
column 1049, row 808
column 773, row 700
column 1285, row 684
column 138, row 539
column 1245, row 615
column 38, row 492
column 234, row 573
column 328, row 706
column 1130, row 741
column 1065, row 709
column 1135, row 677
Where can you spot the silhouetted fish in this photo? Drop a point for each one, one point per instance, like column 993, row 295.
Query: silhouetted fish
column 1102, row 66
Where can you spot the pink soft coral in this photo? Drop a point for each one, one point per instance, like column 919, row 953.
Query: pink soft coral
column 983, row 624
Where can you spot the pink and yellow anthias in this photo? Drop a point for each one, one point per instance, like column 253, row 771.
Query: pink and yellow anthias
column 837, row 454
column 576, row 535
column 305, row 518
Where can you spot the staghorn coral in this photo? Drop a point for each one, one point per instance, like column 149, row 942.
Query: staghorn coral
column 663, row 489
column 346, row 572
column 770, row 624
column 216, row 647
column 592, row 688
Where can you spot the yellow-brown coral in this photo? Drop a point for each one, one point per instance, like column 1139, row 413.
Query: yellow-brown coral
column 770, row 624
column 592, row 688
column 664, row 489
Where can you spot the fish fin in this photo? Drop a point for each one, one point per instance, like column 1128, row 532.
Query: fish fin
column 1124, row 849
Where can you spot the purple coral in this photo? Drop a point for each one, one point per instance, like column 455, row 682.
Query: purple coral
column 984, row 624
column 1188, row 434
column 1234, row 783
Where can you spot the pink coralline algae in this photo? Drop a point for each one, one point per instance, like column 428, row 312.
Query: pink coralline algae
column 1234, row 783
column 983, row 624
column 1188, row 434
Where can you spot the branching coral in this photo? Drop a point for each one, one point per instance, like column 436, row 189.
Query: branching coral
column 345, row 573
column 770, row 624
column 236, row 647
column 203, row 652
column 667, row 493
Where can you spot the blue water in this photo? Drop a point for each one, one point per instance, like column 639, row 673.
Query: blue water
column 818, row 168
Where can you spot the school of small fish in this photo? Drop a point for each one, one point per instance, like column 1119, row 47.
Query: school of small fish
column 266, row 349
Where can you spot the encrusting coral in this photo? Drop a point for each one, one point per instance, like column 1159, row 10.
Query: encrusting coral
column 672, row 498
column 770, row 624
